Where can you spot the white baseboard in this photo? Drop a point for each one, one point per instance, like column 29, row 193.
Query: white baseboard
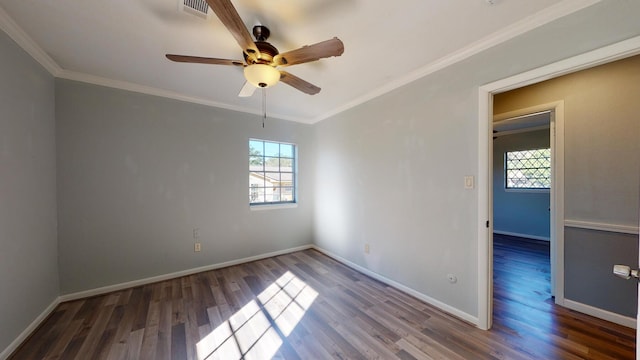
column 30, row 329
column 527, row 236
column 150, row 280
column 429, row 300
column 600, row 313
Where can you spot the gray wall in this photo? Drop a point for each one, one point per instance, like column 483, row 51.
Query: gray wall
column 519, row 212
column 28, row 247
column 589, row 259
column 602, row 175
column 390, row 172
column 137, row 173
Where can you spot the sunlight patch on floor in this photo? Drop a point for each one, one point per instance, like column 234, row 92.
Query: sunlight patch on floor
column 256, row 331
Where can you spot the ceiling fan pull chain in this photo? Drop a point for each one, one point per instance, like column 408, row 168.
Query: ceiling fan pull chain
column 264, row 106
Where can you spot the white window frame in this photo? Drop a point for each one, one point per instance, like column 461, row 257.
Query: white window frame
column 294, row 174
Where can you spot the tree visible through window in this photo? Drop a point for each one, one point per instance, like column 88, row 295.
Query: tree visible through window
column 271, row 172
column 528, row 169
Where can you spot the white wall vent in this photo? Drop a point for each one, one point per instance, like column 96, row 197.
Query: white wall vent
column 199, row 8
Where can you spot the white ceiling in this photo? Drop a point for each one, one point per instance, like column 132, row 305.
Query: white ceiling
column 122, row 43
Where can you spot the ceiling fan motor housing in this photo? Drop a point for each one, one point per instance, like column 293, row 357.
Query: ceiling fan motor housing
column 267, row 51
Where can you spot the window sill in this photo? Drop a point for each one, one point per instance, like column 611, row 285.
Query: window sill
column 273, row 206
column 533, row 191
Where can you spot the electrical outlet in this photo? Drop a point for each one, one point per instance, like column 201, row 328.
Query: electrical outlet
column 452, row 278
column 196, row 233
column 196, row 247
column 367, row 249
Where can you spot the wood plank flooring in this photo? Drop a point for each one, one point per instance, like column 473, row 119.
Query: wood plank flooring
column 305, row 305
column 526, row 315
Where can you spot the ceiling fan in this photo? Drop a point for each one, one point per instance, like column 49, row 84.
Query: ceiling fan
column 261, row 59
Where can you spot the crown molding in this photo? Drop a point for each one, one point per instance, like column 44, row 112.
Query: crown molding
column 538, row 19
column 529, row 23
column 15, row 32
column 148, row 90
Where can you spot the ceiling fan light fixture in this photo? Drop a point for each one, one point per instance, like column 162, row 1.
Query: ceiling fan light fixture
column 261, row 75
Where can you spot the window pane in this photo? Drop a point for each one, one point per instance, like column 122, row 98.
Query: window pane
column 286, row 165
column 286, row 150
column 286, row 178
column 271, row 149
column 272, row 163
column 286, row 194
column 256, row 194
column 256, row 147
column 256, row 163
column 272, row 178
column 256, row 179
column 275, row 195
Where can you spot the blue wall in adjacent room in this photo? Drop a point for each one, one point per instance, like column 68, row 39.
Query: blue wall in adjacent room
column 524, row 213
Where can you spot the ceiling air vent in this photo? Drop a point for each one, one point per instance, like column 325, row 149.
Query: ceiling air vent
column 199, row 8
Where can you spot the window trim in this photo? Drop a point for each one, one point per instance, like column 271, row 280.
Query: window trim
column 294, row 183
column 272, row 206
column 528, row 190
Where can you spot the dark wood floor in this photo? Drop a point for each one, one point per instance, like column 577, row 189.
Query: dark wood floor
column 525, row 314
column 307, row 306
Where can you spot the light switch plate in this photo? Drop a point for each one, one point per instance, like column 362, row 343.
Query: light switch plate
column 468, row 182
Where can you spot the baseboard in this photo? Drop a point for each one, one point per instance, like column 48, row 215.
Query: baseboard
column 29, row 329
column 150, row 280
column 427, row 299
column 600, row 313
column 526, row 236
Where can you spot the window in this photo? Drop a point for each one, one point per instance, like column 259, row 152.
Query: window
column 272, row 172
column 528, row 169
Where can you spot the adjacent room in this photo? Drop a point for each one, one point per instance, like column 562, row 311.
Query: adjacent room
column 239, row 179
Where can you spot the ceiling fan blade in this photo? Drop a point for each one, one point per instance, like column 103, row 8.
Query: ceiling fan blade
column 203, row 60
column 298, row 83
column 324, row 49
column 247, row 89
column 231, row 20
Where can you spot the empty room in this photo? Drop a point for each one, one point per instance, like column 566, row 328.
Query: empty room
column 320, row 179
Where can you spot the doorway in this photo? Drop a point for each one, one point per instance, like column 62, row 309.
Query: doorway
column 485, row 211
column 522, row 180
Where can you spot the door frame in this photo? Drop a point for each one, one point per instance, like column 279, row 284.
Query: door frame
column 590, row 59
